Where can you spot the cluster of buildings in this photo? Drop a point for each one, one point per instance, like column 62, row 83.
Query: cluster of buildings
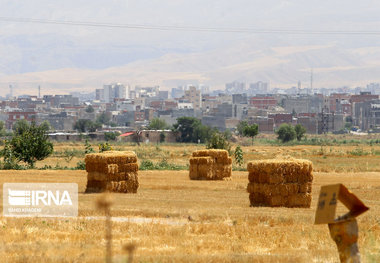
column 131, row 109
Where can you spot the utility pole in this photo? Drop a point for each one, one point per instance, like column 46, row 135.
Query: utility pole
column 39, row 91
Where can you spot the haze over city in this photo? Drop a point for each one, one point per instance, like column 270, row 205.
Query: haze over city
column 170, row 43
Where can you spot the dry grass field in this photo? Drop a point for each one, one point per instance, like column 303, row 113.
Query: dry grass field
column 195, row 221
column 337, row 158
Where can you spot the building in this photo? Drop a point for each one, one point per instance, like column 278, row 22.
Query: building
column 235, row 87
column 112, row 91
column 367, row 115
column 14, row 116
column 258, row 88
column 193, row 95
column 263, row 102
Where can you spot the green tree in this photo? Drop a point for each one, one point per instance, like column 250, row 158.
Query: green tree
column 3, row 132
column 30, row 143
column 83, row 125
column 251, row 131
column 157, row 124
column 110, row 136
column 90, row 109
column 300, row 131
column 45, row 125
column 218, row 141
column 162, row 137
column 286, row 133
column 186, row 126
column 240, row 127
column 20, row 126
column 238, row 154
column 10, row 161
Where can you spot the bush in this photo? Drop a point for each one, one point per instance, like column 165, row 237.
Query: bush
column 103, row 147
column 238, row 154
column 300, row 131
column 286, row 133
column 218, row 141
column 81, row 165
column 110, row 136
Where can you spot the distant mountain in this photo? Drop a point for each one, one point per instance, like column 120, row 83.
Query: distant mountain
column 63, row 58
column 281, row 66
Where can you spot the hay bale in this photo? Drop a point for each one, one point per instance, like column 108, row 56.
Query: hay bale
column 105, row 171
column 275, row 200
column 201, row 153
column 94, row 186
column 257, row 199
column 280, row 182
column 305, row 188
column 273, row 189
column 299, row 200
column 278, row 171
column 210, row 165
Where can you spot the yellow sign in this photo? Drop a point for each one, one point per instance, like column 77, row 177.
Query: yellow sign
column 327, row 202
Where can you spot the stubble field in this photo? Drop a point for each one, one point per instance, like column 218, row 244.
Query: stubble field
column 173, row 219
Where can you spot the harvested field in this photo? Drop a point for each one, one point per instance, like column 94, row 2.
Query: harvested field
column 216, row 223
column 334, row 158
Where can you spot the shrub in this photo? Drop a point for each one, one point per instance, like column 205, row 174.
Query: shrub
column 218, row 141
column 286, row 133
column 300, row 131
column 238, row 154
column 103, row 147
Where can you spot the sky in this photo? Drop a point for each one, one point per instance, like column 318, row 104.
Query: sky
column 73, row 58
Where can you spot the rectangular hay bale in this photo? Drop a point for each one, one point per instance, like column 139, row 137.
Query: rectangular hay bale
column 299, row 200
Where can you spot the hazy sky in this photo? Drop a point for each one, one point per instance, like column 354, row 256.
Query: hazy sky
column 33, row 47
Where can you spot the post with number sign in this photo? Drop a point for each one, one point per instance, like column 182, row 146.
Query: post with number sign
column 343, row 229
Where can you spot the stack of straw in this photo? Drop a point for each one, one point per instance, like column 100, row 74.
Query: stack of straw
column 280, row 182
column 112, row 171
column 210, row 165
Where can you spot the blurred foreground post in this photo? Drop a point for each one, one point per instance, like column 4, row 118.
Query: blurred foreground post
column 345, row 235
column 104, row 202
column 344, row 229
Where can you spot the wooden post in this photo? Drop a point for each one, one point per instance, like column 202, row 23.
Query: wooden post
column 104, row 202
column 345, row 235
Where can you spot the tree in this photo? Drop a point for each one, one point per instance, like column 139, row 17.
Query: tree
column 157, row 124
column 30, row 143
column 3, row 132
column 83, row 125
column 20, row 127
column 240, row 127
column 300, row 131
column 286, row 133
column 251, row 131
column 45, row 125
column 218, row 141
column 162, row 137
column 110, row 136
column 186, row 126
column 90, row 109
